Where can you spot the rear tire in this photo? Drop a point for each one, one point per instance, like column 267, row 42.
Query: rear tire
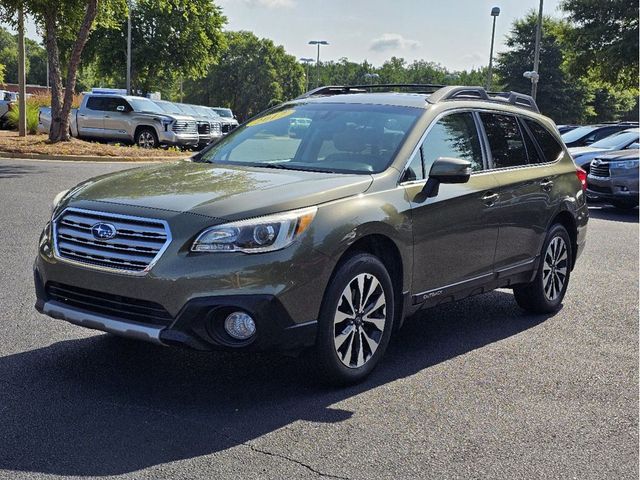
column 356, row 320
column 147, row 138
column 546, row 292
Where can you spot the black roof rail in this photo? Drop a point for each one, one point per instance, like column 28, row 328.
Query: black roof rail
column 424, row 88
column 479, row 93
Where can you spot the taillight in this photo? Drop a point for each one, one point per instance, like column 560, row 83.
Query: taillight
column 582, row 176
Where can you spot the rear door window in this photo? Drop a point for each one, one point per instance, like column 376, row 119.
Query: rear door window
column 547, row 142
column 505, row 140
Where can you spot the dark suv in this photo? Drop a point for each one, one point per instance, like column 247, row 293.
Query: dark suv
column 385, row 203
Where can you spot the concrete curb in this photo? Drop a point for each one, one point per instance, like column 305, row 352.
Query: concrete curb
column 86, row 158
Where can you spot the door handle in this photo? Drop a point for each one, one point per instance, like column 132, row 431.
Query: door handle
column 546, row 184
column 490, row 198
column 107, row 116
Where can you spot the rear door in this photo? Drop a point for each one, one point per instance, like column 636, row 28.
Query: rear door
column 455, row 232
column 91, row 118
column 526, row 180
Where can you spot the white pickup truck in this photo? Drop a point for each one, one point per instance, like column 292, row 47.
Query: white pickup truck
column 6, row 100
column 125, row 118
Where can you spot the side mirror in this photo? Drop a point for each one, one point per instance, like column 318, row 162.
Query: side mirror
column 446, row 170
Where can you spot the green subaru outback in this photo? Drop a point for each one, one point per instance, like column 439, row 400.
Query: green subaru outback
column 381, row 204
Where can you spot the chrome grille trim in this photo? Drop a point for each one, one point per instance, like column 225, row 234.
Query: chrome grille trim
column 204, row 128
column 185, row 126
column 135, row 249
column 599, row 169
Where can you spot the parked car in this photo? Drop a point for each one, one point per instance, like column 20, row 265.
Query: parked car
column 583, row 136
column 613, row 178
column 566, row 128
column 207, row 130
column 390, row 203
column 618, row 141
column 7, row 100
column 215, row 120
column 124, row 118
column 229, row 121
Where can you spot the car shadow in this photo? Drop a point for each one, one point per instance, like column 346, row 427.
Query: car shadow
column 608, row 212
column 102, row 405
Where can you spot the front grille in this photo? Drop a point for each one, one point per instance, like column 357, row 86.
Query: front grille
column 107, row 304
column 137, row 244
column 185, row 126
column 216, row 128
column 599, row 170
column 227, row 127
column 599, row 189
column 204, row 128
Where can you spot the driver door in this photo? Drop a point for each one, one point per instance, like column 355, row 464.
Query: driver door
column 456, row 232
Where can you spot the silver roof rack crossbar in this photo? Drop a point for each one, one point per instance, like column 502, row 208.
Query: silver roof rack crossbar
column 479, row 93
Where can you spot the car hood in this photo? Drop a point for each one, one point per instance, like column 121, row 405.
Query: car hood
column 579, row 151
column 225, row 192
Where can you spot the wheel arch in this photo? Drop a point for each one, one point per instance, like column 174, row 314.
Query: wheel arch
column 568, row 221
column 145, row 127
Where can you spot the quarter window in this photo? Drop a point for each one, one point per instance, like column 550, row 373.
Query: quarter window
column 547, row 142
column 454, row 136
column 415, row 170
column 505, row 140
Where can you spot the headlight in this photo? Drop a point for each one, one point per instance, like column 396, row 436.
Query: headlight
column 625, row 165
column 255, row 235
column 57, row 199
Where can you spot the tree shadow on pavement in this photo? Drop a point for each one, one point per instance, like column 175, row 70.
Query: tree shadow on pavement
column 103, row 405
column 13, row 171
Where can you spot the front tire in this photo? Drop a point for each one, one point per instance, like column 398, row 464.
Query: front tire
column 147, row 138
column 356, row 320
column 546, row 292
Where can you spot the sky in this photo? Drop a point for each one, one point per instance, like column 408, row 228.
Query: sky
column 454, row 33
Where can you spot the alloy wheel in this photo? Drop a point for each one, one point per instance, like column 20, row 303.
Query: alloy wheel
column 554, row 270
column 146, row 140
column 360, row 320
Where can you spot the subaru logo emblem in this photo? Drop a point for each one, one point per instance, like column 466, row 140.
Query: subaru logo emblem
column 103, row 231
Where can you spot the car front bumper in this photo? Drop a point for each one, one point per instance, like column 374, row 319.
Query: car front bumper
column 281, row 290
column 178, row 139
column 622, row 188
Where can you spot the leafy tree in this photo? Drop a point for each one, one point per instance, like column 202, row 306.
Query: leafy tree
column 67, row 24
column 171, row 40
column 2, row 69
column 251, row 75
column 560, row 95
column 605, row 39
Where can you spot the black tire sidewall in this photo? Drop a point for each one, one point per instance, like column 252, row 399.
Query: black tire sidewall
column 331, row 366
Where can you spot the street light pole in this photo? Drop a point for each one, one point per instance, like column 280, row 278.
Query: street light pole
column 536, row 56
column 495, row 11
column 307, row 61
column 128, row 47
column 318, row 43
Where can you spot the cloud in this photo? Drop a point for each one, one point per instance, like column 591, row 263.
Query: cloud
column 393, row 41
column 270, row 3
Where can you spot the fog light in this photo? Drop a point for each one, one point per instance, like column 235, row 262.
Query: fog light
column 240, row 326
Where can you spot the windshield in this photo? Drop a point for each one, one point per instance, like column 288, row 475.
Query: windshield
column 169, row 107
column 144, row 105
column 223, row 112
column 323, row 137
column 187, row 109
column 617, row 140
column 203, row 111
column 577, row 134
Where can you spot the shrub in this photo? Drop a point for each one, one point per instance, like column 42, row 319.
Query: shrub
column 13, row 117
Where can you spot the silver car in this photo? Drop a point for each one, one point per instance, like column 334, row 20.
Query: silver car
column 613, row 178
column 626, row 139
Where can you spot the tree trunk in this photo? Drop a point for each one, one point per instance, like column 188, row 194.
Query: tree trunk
column 60, row 112
column 55, row 77
column 74, row 63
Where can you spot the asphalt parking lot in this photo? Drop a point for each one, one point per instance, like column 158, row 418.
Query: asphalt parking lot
column 478, row 389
